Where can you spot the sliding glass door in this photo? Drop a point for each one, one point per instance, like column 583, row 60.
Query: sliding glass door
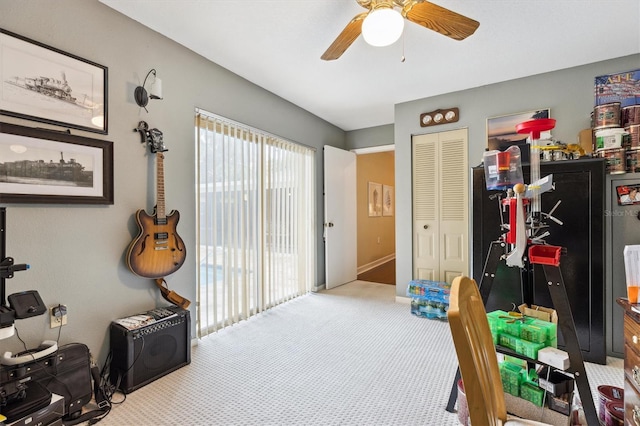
column 256, row 221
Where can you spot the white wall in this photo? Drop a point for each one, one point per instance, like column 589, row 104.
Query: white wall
column 76, row 252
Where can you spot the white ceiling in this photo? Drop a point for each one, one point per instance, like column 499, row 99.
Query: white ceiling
column 277, row 45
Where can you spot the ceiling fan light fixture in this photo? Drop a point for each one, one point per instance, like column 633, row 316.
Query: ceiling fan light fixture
column 382, row 27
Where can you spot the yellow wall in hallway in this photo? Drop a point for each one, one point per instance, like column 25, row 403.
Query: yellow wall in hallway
column 376, row 235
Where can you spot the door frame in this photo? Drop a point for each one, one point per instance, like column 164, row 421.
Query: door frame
column 359, row 151
column 376, row 150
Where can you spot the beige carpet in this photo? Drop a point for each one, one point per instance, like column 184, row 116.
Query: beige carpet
column 346, row 356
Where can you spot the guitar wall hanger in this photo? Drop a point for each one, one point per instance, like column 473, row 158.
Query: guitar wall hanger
column 152, row 137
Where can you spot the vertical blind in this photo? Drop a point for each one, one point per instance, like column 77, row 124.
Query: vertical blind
column 256, row 221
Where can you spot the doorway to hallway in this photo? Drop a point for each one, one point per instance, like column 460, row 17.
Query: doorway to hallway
column 384, row 274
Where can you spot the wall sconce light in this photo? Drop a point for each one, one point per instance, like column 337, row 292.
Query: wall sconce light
column 155, row 91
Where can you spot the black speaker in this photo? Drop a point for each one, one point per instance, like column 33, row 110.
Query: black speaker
column 149, row 345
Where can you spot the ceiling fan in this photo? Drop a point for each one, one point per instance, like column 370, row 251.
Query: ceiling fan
column 422, row 12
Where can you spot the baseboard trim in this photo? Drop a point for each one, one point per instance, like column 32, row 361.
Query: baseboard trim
column 376, row 263
column 403, row 299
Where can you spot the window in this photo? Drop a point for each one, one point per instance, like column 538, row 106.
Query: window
column 256, row 221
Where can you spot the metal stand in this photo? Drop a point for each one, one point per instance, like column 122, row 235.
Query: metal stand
column 3, row 253
column 7, row 314
column 7, row 269
column 566, row 325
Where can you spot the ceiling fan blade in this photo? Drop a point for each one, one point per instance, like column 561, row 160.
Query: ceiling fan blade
column 439, row 19
column 348, row 35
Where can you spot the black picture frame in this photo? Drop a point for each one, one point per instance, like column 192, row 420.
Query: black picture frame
column 45, row 84
column 45, row 166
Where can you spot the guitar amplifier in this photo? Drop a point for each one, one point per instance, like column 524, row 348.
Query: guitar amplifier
column 149, row 345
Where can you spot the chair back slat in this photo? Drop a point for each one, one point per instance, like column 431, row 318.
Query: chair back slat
column 476, row 354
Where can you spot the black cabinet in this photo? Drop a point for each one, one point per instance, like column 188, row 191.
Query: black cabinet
column 580, row 185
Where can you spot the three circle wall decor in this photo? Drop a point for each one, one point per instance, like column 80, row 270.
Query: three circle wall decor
column 439, row 116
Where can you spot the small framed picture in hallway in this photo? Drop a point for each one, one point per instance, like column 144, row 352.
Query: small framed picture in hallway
column 375, row 199
column 387, row 200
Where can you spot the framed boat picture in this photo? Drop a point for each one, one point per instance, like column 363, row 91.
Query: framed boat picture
column 45, row 166
column 45, row 84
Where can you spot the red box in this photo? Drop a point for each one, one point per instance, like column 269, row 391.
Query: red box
column 545, row 255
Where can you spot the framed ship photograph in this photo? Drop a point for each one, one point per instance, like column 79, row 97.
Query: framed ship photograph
column 43, row 166
column 45, row 84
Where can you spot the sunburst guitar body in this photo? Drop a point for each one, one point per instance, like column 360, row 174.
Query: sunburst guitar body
column 158, row 250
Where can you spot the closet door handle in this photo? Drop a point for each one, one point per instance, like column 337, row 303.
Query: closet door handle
column 426, row 226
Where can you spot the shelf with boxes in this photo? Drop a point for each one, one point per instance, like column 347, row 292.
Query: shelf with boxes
column 530, row 379
column 531, row 366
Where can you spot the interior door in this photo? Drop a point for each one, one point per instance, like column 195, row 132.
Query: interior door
column 340, row 209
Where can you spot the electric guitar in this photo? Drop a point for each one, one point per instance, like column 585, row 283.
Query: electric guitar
column 158, row 250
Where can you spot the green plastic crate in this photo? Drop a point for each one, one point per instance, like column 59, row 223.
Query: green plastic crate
column 532, row 393
column 511, row 376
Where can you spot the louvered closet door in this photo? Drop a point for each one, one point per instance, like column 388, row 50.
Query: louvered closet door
column 425, row 207
column 440, row 205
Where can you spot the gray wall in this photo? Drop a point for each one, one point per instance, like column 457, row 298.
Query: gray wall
column 370, row 137
column 568, row 93
column 76, row 252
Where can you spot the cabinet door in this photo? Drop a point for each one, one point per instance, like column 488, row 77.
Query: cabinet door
column 623, row 228
column 440, row 205
column 579, row 186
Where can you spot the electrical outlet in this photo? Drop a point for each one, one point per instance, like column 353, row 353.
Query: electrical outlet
column 58, row 316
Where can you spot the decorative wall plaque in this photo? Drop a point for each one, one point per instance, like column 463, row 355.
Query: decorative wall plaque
column 439, row 116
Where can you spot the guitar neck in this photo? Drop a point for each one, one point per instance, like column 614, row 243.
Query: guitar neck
column 161, row 216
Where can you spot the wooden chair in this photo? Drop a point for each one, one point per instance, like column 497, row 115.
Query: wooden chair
column 477, row 357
